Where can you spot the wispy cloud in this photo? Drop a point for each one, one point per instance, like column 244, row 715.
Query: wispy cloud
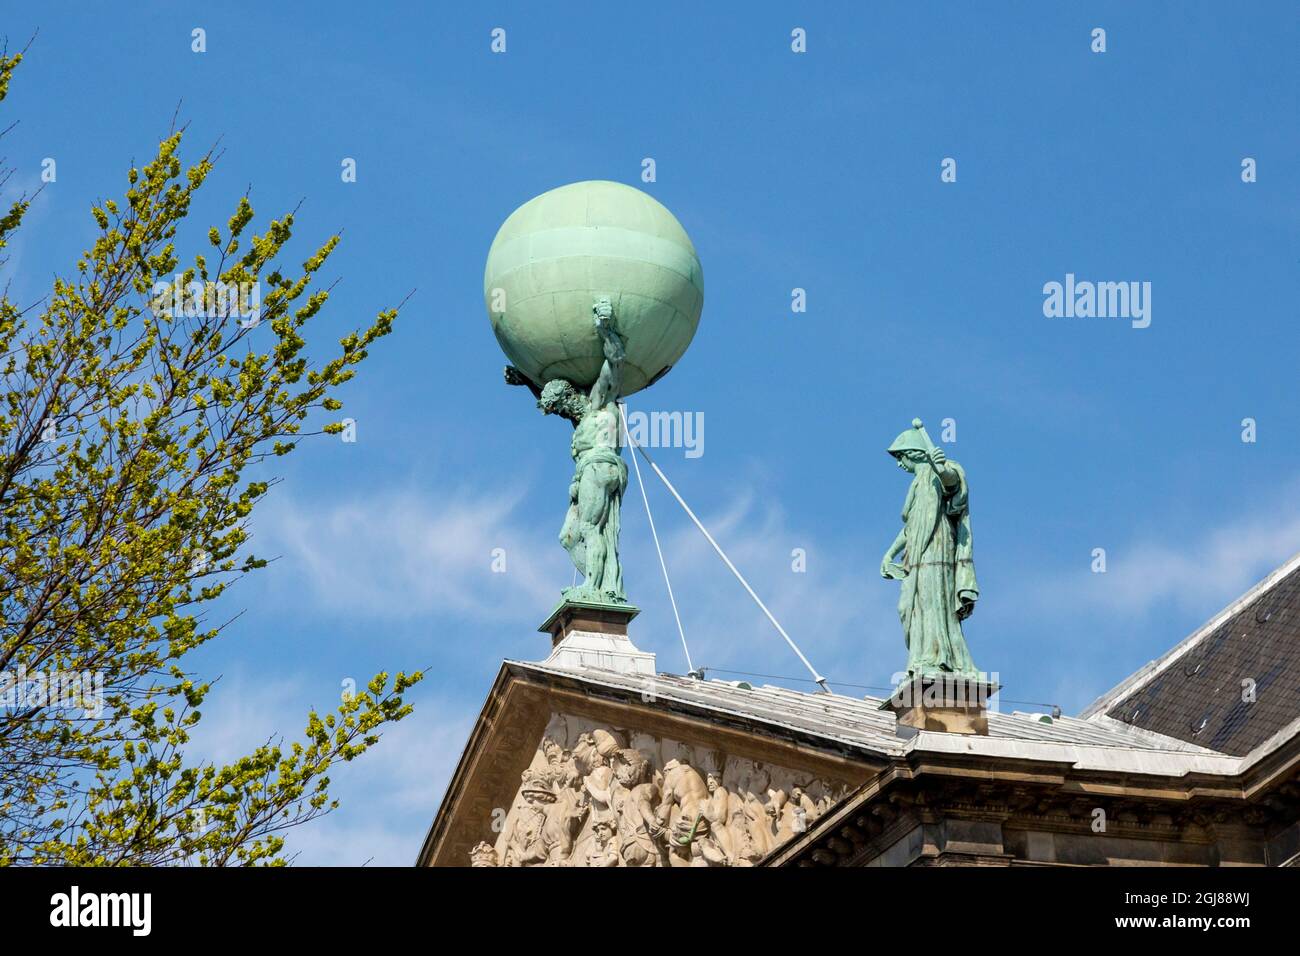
column 387, row 796
column 400, row 553
column 841, row 616
column 23, row 186
column 406, row 553
column 1215, row 566
column 243, row 711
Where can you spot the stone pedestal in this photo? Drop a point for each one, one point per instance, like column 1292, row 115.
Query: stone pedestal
column 590, row 617
column 943, row 703
column 595, row 636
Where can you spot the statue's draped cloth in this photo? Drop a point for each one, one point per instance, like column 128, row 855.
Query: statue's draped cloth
column 939, row 591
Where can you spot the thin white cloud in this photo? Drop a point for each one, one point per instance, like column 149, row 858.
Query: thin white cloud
column 1215, row 566
column 387, row 796
column 243, row 712
column 399, row 553
column 25, row 288
column 837, row 610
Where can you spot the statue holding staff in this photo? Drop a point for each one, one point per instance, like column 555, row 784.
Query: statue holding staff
column 937, row 570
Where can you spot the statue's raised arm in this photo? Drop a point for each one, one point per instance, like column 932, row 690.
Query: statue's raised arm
column 610, row 381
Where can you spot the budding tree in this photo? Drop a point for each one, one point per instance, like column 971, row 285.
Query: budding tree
column 129, row 435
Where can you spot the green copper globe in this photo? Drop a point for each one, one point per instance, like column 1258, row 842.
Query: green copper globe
column 555, row 254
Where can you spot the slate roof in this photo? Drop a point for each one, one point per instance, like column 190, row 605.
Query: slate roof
column 857, row 724
column 1195, row 691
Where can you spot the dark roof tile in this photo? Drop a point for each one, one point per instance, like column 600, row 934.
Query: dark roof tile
column 1200, row 692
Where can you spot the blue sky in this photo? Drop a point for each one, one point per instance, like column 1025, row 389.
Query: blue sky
column 819, row 171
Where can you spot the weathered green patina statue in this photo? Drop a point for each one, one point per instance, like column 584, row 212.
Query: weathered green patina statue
column 590, row 531
column 612, row 245
column 937, row 569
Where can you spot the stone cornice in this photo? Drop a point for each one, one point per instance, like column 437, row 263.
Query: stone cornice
column 1195, row 809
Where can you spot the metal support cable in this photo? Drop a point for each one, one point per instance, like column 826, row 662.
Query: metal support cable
column 622, row 414
column 817, row 678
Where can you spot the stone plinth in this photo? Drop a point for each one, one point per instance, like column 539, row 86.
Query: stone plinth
column 607, row 652
column 944, row 703
column 595, row 636
column 592, row 618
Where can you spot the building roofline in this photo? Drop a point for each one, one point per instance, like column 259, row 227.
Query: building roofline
column 1155, row 760
column 919, row 750
column 1208, row 778
column 455, row 780
column 1083, row 757
column 827, row 739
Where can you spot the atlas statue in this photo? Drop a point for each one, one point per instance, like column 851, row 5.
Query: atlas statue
column 594, row 292
column 590, row 530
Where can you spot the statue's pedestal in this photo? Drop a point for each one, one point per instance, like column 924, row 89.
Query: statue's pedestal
column 948, row 704
column 593, row 635
column 595, row 617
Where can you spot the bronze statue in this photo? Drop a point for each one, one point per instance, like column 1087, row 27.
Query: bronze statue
column 937, row 570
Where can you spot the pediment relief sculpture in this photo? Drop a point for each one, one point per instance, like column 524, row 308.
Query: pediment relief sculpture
column 604, row 797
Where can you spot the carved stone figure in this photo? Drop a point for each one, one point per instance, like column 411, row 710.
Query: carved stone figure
column 565, row 816
column 938, row 569
column 718, row 811
column 592, row 756
column 803, row 809
column 589, row 799
column 603, row 851
column 783, row 816
column 684, row 796
column 800, row 797
column 532, row 840
column 759, row 834
column 483, row 854
column 794, row 813
column 638, row 827
column 701, row 841
column 590, row 531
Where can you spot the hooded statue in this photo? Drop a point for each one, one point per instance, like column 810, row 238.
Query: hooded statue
column 937, row 568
